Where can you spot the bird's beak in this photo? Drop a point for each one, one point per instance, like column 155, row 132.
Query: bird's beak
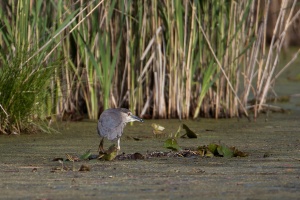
column 135, row 118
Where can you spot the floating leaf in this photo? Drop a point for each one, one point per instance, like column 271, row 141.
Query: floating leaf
column 238, row 153
column 171, row 143
column 84, row 168
column 204, row 151
column 209, row 154
column 157, row 127
column 110, row 154
column 72, row 158
column 189, row 132
column 201, row 150
column 213, row 148
column 225, row 151
column 86, row 155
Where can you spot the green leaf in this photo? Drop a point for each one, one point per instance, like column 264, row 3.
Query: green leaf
column 189, row 132
column 209, row 154
column 172, row 144
column 213, row 148
column 225, row 151
column 110, row 154
column 86, row 155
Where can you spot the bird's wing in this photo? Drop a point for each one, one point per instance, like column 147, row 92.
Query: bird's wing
column 110, row 125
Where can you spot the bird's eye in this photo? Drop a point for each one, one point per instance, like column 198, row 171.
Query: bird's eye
column 128, row 114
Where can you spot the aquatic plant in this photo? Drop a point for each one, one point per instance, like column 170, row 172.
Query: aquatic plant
column 162, row 59
column 23, row 92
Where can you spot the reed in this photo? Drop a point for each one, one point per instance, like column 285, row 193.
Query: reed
column 23, row 93
column 26, row 72
column 263, row 74
column 163, row 59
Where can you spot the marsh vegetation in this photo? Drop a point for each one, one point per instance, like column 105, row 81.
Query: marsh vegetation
column 161, row 59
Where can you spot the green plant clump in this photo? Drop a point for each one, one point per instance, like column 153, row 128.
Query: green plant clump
column 165, row 59
column 23, row 90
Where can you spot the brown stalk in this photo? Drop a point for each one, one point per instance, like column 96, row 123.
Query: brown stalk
column 281, row 18
column 223, row 71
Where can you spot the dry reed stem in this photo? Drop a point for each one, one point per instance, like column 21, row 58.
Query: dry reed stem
column 269, row 74
column 223, row 71
column 295, row 56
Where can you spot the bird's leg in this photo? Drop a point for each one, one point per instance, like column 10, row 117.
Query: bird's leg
column 118, row 147
column 101, row 149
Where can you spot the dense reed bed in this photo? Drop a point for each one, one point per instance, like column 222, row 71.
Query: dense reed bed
column 161, row 59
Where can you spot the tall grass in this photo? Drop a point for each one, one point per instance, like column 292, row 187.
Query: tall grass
column 269, row 60
column 25, row 79
column 162, row 59
column 23, row 93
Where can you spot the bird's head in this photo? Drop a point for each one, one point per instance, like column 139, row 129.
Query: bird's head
column 127, row 116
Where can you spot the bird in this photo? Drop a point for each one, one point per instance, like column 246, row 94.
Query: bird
column 112, row 122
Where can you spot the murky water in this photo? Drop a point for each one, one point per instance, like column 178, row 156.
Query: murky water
column 271, row 171
column 25, row 169
column 288, row 84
